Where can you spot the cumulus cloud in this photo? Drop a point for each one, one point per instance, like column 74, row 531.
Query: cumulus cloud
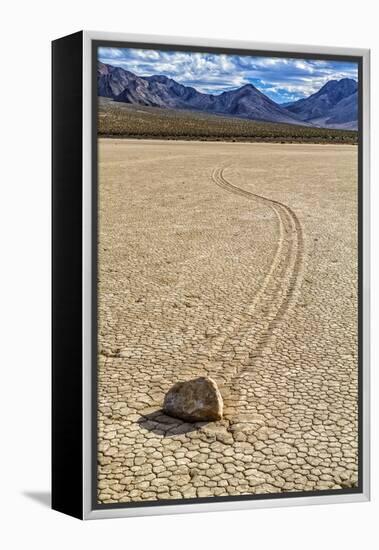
column 282, row 79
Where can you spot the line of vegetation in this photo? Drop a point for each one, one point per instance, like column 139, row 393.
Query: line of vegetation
column 134, row 121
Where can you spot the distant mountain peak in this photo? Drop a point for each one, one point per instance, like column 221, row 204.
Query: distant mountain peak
column 348, row 85
column 248, row 86
column 328, row 105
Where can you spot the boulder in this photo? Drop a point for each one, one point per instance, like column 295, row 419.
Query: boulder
column 197, row 400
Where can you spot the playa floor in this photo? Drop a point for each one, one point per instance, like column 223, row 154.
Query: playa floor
column 237, row 261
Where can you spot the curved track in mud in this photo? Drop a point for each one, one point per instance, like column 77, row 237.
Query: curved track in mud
column 279, row 288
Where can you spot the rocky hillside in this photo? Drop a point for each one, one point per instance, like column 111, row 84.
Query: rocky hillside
column 335, row 105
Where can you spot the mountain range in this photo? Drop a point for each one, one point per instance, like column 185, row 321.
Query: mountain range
column 335, row 105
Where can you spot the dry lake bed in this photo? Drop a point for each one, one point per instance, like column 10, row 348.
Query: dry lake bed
column 237, row 261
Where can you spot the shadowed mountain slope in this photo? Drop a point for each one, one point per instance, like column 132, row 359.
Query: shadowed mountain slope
column 335, row 105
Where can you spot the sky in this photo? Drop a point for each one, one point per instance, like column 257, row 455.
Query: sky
column 281, row 79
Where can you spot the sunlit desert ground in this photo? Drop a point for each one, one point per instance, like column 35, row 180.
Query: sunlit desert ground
column 237, row 261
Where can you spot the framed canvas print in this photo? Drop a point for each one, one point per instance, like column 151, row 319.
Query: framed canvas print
column 210, row 275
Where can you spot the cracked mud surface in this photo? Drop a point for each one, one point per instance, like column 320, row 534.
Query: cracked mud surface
column 238, row 261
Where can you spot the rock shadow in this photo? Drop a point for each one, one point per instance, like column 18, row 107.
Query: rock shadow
column 167, row 426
